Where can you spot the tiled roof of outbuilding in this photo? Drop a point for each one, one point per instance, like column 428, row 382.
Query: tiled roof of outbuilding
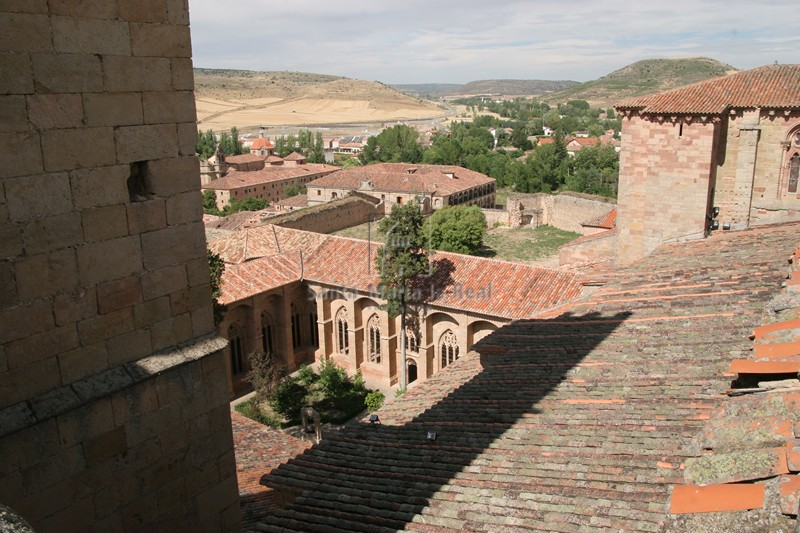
column 771, row 86
column 579, row 422
column 236, row 179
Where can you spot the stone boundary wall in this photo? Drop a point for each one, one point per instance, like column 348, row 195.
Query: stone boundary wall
column 590, row 250
column 342, row 213
column 495, row 216
column 565, row 211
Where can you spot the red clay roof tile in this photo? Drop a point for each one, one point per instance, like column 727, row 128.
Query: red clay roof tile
column 715, row 498
column 790, row 494
column 760, row 331
column 746, row 366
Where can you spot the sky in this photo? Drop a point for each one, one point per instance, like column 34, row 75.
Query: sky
column 457, row 41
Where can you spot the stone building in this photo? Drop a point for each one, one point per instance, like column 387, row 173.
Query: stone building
column 308, row 297
column 434, row 186
column 725, row 150
column 114, row 410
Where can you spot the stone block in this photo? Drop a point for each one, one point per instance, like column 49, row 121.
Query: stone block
column 143, row 10
column 105, row 223
column 104, row 327
column 136, row 402
column 125, row 73
column 71, row 308
column 29, row 446
column 102, row 384
column 108, row 260
column 86, row 422
column 67, row 73
column 28, row 319
column 185, row 242
column 74, row 149
column 13, row 114
column 149, row 215
column 41, row 346
column 113, row 109
column 187, row 142
column 150, row 425
column 39, row 195
column 15, row 417
column 184, row 207
column 54, row 469
column 21, row 154
column 54, row 403
column 171, row 331
column 44, row 275
column 172, row 107
column 82, row 362
column 91, row 35
column 137, row 515
column 190, row 299
column 160, row 40
column 179, row 383
column 8, row 286
column 128, row 347
column 79, row 515
column 118, row 294
column 174, row 176
column 17, row 72
column 164, row 281
column 52, row 233
column 100, row 9
column 217, row 498
column 97, row 187
column 197, row 271
column 51, row 111
column 178, row 12
column 25, row 6
column 152, row 311
column 146, row 143
column 182, row 74
column 203, row 321
column 31, row 380
column 26, row 32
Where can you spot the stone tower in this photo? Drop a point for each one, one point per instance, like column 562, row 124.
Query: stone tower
column 113, row 398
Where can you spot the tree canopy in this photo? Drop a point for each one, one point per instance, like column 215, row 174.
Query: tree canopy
column 458, row 229
column 393, row 145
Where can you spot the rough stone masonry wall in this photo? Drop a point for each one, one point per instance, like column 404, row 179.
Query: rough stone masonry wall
column 111, row 415
column 665, row 177
column 332, row 216
column 564, row 211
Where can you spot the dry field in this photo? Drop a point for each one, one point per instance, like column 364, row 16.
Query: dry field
column 247, row 100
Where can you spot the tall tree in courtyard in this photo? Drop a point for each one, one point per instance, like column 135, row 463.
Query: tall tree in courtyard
column 403, row 258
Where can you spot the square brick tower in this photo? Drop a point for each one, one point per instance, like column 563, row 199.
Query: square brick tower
column 114, row 411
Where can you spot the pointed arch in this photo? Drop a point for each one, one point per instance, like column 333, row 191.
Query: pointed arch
column 237, row 353
column 448, row 348
column 374, row 339
column 267, row 344
column 342, row 331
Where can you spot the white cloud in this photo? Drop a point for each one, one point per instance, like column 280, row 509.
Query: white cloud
column 458, row 41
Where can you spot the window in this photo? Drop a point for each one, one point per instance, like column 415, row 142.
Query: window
column 312, row 328
column 342, row 334
column 296, row 336
column 374, row 339
column 411, row 341
column 237, row 356
column 266, row 333
column 399, row 199
column 448, row 348
column 794, row 171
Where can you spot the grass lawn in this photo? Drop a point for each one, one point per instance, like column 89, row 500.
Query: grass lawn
column 519, row 244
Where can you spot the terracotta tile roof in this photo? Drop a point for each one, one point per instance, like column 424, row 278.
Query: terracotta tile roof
column 606, row 221
column 771, row 86
column 244, row 158
column 578, row 422
column 274, row 159
column 236, row 179
column 403, row 177
column 299, row 200
column 294, row 156
column 264, row 241
column 243, row 280
column 260, row 143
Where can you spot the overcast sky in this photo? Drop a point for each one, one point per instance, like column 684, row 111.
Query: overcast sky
column 456, row 41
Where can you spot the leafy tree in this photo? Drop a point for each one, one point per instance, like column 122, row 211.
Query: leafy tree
column 333, row 380
column 266, row 374
column 374, row 400
column 403, row 258
column 210, row 203
column 288, row 398
column 248, row 204
column 206, row 144
column 519, row 139
column 397, row 144
column 351, row 162
column 294, row 189
column 230, row 143
column 458, row 229
column 216, row 268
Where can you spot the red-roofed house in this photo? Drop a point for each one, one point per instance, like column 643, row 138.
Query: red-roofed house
column 434, row 186
column 262, row 147
column 308, row 297
column 728, row 145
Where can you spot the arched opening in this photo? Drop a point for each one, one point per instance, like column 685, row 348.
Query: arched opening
column 267, row 345
column 448, row 348
column 794, row 172
column 237, row 354
column 342, row 332
column 374, row 339
column 411, row 371
column 297, row 338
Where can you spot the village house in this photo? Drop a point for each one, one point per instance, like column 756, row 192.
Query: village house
column 309, row 297
column 434, row 186
column 253, row 176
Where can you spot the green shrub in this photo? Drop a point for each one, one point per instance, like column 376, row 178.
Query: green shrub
column 288, row 399
column 399, row 392
column 374, row 400
column 306, row 375
column 332, row 380
column 251, row 410
column 358, row 382
column 266, row 374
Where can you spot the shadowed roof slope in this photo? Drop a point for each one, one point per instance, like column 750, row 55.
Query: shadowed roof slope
column 771, row 86
column 579, row 422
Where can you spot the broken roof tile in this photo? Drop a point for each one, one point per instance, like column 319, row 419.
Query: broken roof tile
column 745, row 366
column 743, row 465
column 715, row 498
column 790, row 494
